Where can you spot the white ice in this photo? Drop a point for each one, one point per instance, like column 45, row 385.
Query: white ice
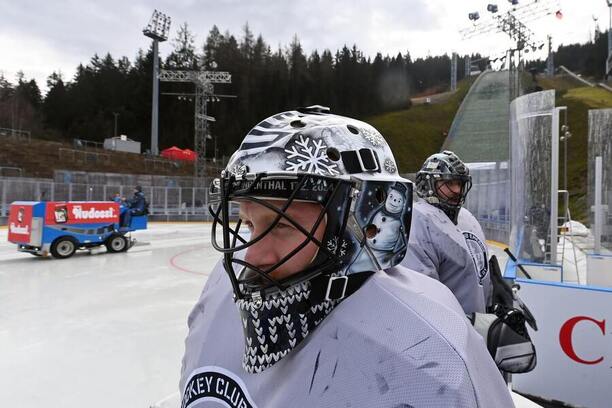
column 103, row 330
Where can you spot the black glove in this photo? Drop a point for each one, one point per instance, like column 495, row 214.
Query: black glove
column 507, row 340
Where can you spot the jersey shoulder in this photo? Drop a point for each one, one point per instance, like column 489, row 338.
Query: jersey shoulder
column 407, row 280
column 467, row 219
column 431, row 216
column 414, row 327
column 467, row 223
column 408, row 307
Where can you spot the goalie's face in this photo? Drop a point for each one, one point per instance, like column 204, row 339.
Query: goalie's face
column 451, row 191
column 283, row 238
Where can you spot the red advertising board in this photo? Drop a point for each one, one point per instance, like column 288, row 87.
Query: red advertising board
column 20, row 223
column 91, row 212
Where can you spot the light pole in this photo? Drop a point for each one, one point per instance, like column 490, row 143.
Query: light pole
column 609, row 60
column 157, row 30
column 116, row 114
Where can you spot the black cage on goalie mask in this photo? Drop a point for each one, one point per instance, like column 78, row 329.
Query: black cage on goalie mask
column 348, row 245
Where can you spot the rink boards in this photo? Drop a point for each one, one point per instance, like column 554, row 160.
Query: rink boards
column 573, row 343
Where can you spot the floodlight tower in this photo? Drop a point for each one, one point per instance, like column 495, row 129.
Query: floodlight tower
column 157, row 30
column 512, row 23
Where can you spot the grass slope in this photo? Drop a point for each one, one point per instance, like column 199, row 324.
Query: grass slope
column 418, row 132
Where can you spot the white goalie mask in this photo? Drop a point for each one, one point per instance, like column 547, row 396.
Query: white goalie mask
column 346, row 167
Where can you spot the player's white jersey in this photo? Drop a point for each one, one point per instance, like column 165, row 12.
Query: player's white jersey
column 401, row 340
column 477, row 245
column 437, row 248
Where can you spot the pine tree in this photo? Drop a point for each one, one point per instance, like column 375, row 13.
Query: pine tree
column 183, row 56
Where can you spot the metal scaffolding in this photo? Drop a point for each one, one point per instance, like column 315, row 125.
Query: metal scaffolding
column 203, row 81
column 512, row 23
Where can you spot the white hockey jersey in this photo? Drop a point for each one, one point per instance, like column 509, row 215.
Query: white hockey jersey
column 401, row 340
column 477, row 245
column 438, row 248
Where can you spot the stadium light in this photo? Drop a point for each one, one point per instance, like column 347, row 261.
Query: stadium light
column 492, row 8
column 513, row 2
column 158, row 27
column 474, row 16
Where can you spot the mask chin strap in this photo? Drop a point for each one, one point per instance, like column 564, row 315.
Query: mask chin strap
column 326, row 287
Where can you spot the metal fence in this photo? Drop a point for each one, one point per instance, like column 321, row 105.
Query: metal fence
column 176, row 198
column 165, row 203
column 489, row 199
column 122, row 179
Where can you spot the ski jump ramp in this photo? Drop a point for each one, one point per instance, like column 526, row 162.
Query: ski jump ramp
column 480, row 130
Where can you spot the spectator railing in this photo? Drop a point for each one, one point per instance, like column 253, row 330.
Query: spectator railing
column 21, row 135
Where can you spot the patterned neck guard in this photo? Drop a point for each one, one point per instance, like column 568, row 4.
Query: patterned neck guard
column 275, row 326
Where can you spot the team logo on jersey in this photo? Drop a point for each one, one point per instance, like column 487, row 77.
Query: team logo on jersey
column 217, row 384
column 478, row 251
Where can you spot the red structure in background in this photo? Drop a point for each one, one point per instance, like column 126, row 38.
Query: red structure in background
column 190, row 155
column 175, row 153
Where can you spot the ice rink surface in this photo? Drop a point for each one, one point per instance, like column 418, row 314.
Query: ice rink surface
column 102, row 330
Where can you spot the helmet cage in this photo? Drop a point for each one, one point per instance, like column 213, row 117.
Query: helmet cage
column 256, row 188
column 426, row 188
column 451, row 201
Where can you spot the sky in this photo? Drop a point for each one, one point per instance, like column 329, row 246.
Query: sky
column 40, row 37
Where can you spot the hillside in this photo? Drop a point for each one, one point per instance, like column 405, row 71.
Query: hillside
column 39, row 158
column 418, row 132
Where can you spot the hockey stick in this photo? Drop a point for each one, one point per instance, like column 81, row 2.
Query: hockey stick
column 507, row 251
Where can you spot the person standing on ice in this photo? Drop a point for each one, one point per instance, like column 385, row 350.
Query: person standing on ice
column 446, row 242
column 299, row 313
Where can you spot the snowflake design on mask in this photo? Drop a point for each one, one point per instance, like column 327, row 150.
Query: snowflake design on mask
column 373, row 137
column 239, row 169
column 335, row 247
column 390, row 166
column 310, row 156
